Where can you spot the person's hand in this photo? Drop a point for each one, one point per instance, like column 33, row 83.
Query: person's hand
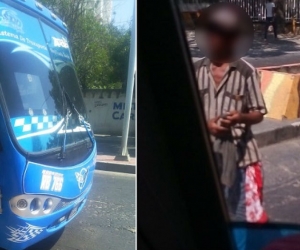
column 216, row 129
column 231, row 119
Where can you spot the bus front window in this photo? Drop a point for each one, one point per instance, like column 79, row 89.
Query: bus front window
column 35, row 71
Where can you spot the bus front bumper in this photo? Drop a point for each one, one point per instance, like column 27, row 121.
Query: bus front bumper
column 20, row 233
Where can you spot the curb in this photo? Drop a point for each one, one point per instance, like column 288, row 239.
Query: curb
column 277, row 135
column 115, row 167
column 293, row 68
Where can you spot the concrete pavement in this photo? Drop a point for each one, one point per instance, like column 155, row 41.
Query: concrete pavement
column 282, row 181
column 107, row 149
column 272, row 131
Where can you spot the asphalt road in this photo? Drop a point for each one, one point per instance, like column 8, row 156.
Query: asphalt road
column 290, row 58
column 281, row 164
column 107, row 221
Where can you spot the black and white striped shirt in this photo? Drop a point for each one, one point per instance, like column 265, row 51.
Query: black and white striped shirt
column 239, row 90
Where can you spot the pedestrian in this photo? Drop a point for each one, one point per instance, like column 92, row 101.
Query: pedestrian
column 270, row 18
column 232, row 101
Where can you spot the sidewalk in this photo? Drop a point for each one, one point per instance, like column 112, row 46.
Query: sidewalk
column 272, row 131
column 110, row 146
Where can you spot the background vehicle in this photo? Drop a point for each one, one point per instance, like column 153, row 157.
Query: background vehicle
column 47, row 155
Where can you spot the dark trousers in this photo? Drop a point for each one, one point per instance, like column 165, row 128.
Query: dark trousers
column 270, row 21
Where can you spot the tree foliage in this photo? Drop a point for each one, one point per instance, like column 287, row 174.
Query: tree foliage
column 100, row 51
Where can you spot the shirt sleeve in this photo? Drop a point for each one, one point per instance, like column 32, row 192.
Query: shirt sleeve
column 197, row 68
column 273, row 5
column 255, row 99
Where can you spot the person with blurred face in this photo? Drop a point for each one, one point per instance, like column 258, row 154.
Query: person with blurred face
column 232, row 100
column 222, row 43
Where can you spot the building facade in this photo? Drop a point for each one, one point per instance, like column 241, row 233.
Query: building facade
column 102, row 9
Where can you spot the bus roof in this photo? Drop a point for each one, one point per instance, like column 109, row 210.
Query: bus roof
column 43, row 11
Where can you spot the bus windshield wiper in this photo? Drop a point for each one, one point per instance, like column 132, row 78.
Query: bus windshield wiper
column 63, row 146
column 80, row 117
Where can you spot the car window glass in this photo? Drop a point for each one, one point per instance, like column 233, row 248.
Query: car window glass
column 263, row 185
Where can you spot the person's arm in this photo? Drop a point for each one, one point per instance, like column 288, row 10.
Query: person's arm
column 255, row 104
column 273, row 9
column 251, row 118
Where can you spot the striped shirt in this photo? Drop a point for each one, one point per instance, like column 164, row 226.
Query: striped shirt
column 239, row 90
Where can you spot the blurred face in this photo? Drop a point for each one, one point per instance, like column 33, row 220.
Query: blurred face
column 221, row 45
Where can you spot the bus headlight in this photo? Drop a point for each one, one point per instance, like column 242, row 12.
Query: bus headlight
column 22, row 204
column 47, row 205
column 33, row 205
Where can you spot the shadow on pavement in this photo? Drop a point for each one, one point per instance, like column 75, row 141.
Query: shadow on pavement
column 48, row 243
column 274, row 47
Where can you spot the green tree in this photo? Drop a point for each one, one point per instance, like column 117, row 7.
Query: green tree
column 119, row 48
column 100, row 51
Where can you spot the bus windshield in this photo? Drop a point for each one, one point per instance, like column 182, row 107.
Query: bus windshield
column 36, row 70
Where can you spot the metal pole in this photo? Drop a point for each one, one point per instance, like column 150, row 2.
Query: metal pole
column 129, row 92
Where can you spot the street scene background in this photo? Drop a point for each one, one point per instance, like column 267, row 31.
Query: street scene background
column 278, row 137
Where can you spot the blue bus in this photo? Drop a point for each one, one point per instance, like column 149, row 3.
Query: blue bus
column 47, row 148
